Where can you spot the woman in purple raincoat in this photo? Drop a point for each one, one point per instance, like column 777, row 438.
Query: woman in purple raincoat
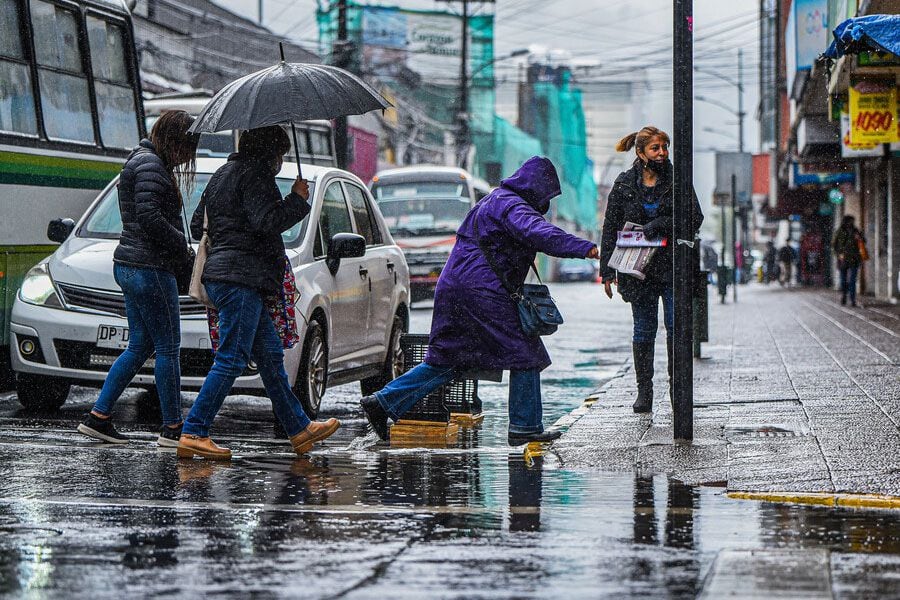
column 476, row 323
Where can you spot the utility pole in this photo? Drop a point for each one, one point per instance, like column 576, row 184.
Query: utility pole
column 683, row 190
column 462, row 142
column 259, row 13
column 340, row 56
column 740, row 88
column 734, row 248
column 462, row 108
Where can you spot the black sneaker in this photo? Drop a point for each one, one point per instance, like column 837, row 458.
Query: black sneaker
column 517, row 439
column 168, row 436
column 101, row 429
column 376, row 415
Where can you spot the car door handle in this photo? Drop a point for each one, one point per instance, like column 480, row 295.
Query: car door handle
column 390, row 266
column 363, row 272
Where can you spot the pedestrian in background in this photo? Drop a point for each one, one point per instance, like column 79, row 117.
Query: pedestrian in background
column 476, row 323
column 770, row 258
column 152, row 248
column 848, row 246
column 246, row 216
column 785, row 264
column 642, row 195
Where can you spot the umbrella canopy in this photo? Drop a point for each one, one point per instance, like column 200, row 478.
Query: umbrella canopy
column 285, row 93
column 872, row 32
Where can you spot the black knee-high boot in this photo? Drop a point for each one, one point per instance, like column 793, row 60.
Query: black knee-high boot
column 643, row 373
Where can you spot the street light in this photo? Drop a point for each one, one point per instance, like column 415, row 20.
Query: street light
column 721, row 132
column 739, row 84
column 462, row 140
column 718, row 103
column 513, row 54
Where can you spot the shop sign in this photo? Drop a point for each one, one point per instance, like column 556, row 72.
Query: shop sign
column 872, row 58
column 850, row 150
column 873, row 111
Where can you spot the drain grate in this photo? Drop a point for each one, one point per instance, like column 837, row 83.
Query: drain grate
column 768, row 430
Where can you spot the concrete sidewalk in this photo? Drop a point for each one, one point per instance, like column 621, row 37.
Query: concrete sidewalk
column 795, row 393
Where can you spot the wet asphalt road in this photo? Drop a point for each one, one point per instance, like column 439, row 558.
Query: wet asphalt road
column 358, row 519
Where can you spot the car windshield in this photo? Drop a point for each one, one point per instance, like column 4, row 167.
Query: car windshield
column 105, row 220
column 411, row 217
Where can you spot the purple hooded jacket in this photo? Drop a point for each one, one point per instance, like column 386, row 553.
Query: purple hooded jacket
column 476, row 323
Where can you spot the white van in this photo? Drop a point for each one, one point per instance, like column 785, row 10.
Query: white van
column 423, row 206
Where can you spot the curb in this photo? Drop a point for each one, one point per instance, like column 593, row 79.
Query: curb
column 822, row 499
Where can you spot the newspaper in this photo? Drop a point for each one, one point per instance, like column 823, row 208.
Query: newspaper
column 633, row 251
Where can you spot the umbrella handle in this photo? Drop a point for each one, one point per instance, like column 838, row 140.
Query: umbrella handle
column 296, row 151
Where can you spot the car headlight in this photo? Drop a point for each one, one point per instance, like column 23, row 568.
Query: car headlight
column 37, row 288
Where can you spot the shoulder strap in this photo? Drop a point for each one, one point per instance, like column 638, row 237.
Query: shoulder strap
column 490, row 259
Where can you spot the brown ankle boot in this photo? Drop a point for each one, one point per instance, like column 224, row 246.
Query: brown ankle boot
column 190, row 446
column 315, row 432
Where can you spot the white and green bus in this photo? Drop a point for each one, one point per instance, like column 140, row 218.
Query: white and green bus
column 70, row 110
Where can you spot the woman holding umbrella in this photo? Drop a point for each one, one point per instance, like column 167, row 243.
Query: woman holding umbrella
column 246, row 216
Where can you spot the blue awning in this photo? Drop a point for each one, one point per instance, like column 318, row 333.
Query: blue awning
column 880, row 33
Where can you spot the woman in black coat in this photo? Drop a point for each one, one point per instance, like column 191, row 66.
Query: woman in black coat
column 246, row 216
column 643, row 195
column 151, row 249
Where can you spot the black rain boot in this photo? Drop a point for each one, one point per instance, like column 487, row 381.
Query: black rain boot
column 643, row 374
column 670, row 365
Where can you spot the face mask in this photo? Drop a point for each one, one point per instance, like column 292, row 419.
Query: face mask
column 660, row 167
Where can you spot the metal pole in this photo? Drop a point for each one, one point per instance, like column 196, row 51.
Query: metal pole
column 721, row 275
column 462, row 141
column 260, row 11
column 740, row 87
column 683, row 190
column 341, row 60
column 734, row 246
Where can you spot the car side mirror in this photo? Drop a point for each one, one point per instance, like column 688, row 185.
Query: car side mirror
column 59, row 230
column 344, row 245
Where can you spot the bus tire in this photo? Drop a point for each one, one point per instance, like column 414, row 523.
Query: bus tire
column 37, row 393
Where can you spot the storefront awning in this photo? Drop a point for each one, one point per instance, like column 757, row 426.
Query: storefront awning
column 880, row 33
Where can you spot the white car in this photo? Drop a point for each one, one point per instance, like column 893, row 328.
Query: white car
column 68, row 321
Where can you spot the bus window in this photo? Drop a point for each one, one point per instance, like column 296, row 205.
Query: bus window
column 65, row 100
column 16, row 100
column 319, row 143
column 115, row 98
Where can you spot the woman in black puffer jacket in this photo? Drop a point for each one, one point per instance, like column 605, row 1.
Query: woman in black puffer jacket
column 246, row 216
column 643, row 195
column 151, row 249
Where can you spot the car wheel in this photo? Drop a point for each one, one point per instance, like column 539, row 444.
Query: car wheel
column 312, row 376
column 41, row 393
column 393, row 363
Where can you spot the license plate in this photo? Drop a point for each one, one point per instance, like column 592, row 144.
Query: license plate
column 112, row 336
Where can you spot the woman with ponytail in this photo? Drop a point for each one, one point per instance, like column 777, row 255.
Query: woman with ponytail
column 643, row 195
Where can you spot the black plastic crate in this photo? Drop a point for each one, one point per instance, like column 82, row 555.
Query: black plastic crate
column 458, row 396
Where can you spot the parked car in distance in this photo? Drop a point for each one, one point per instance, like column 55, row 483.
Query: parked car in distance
column 424, row 205
column 576, row 269
column 68, row 321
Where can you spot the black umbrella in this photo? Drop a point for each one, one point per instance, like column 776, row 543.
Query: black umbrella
column 285, row 93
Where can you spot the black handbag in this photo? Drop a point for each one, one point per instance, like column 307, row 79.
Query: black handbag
column 538, row 314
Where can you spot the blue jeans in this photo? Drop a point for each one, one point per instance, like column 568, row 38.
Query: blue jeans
column 646, row 315
column 848, row 283
column 151, row 306
column 245, row 332
column 525, row 409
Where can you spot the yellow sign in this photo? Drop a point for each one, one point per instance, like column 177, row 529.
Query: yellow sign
column 873, row 112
